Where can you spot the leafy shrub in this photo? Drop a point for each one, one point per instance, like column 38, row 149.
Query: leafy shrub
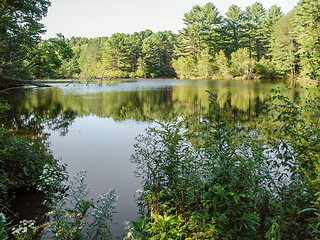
column 185, row 67
column 23, row 163
column 298, row 124
column 4, row 106
column 265, row 69
column 241, row 64
column 75, row 217
column 3, row 227
column 224, row 181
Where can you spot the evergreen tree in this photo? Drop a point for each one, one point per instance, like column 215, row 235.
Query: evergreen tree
column 158, row 52
column 89, row 53
column 307, row 35
column 136, row 41
column 283, row 47
column 116, row 54
column 203, row 31
column 233, row 29
column 252, row 23
column 192, row 33
column 268, row 23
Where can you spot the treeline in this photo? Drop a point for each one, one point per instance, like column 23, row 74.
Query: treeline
column 251, row 43
column 142, row 54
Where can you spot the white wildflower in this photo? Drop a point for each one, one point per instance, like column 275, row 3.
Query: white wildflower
column 2, row 217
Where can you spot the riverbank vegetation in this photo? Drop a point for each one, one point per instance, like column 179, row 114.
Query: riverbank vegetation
column 244, row 43
column 204, row 177
column 64, row 210
column 216, row 179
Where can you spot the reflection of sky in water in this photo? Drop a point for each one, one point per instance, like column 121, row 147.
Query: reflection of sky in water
column 147, row 84
column 127, row 86
column 103, row 148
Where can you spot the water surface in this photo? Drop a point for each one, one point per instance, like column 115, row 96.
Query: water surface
column 92, row 126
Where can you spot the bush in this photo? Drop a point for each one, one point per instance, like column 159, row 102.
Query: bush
column 4, row 227
column 24, row 164
column 224, row 181
column 222, row 64
column 265, row 69
column 76, row 217
column 184, row 67
column 241, row 64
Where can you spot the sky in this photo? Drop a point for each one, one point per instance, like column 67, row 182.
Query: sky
column 102, row 18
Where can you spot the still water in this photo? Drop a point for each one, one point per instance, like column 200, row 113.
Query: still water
column 92, row 126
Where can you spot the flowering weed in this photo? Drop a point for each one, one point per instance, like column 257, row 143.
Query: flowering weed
column 79, row 218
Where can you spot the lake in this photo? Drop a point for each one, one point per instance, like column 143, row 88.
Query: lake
column 92, row 125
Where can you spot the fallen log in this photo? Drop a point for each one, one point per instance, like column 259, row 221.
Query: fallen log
column 23, row 81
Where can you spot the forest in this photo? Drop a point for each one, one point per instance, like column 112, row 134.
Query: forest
column 244, row 44
column 206, row 172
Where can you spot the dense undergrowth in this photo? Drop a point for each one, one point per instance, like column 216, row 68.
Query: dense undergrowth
column 207, row 179
column 219, row 180
column 30, row 166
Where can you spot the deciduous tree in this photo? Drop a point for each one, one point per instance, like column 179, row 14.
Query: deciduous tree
column 20, row 30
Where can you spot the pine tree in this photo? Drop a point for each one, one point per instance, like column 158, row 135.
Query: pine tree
column 116, row 56
column 268, row 23
column 283, row 47
column 307, row 35
column 157, row 52
column 233, row 29
column 203, row 31
column 253, row 17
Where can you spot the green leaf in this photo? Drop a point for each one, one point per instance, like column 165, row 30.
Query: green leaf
column 308, row 209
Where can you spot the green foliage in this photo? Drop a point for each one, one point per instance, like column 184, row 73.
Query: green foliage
column 266, row 29
column 233, row 29
column 274, row 232
column 89, row 56
column 157, row 53
column 4, row 106
column 4, row 227
column 222, row 64
column 253, row 18
column 48, row 57
column 287, row 41
column 307, row 34
column 23, row 164
column 184, row 67
column 241, row 64
column 265, row 69
column 75, row 217
column 282, row 46
column 116, row 56
column 202, row 31
column 219, row 180
column 205, row 67
column 299, row 126
column 20, row 30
